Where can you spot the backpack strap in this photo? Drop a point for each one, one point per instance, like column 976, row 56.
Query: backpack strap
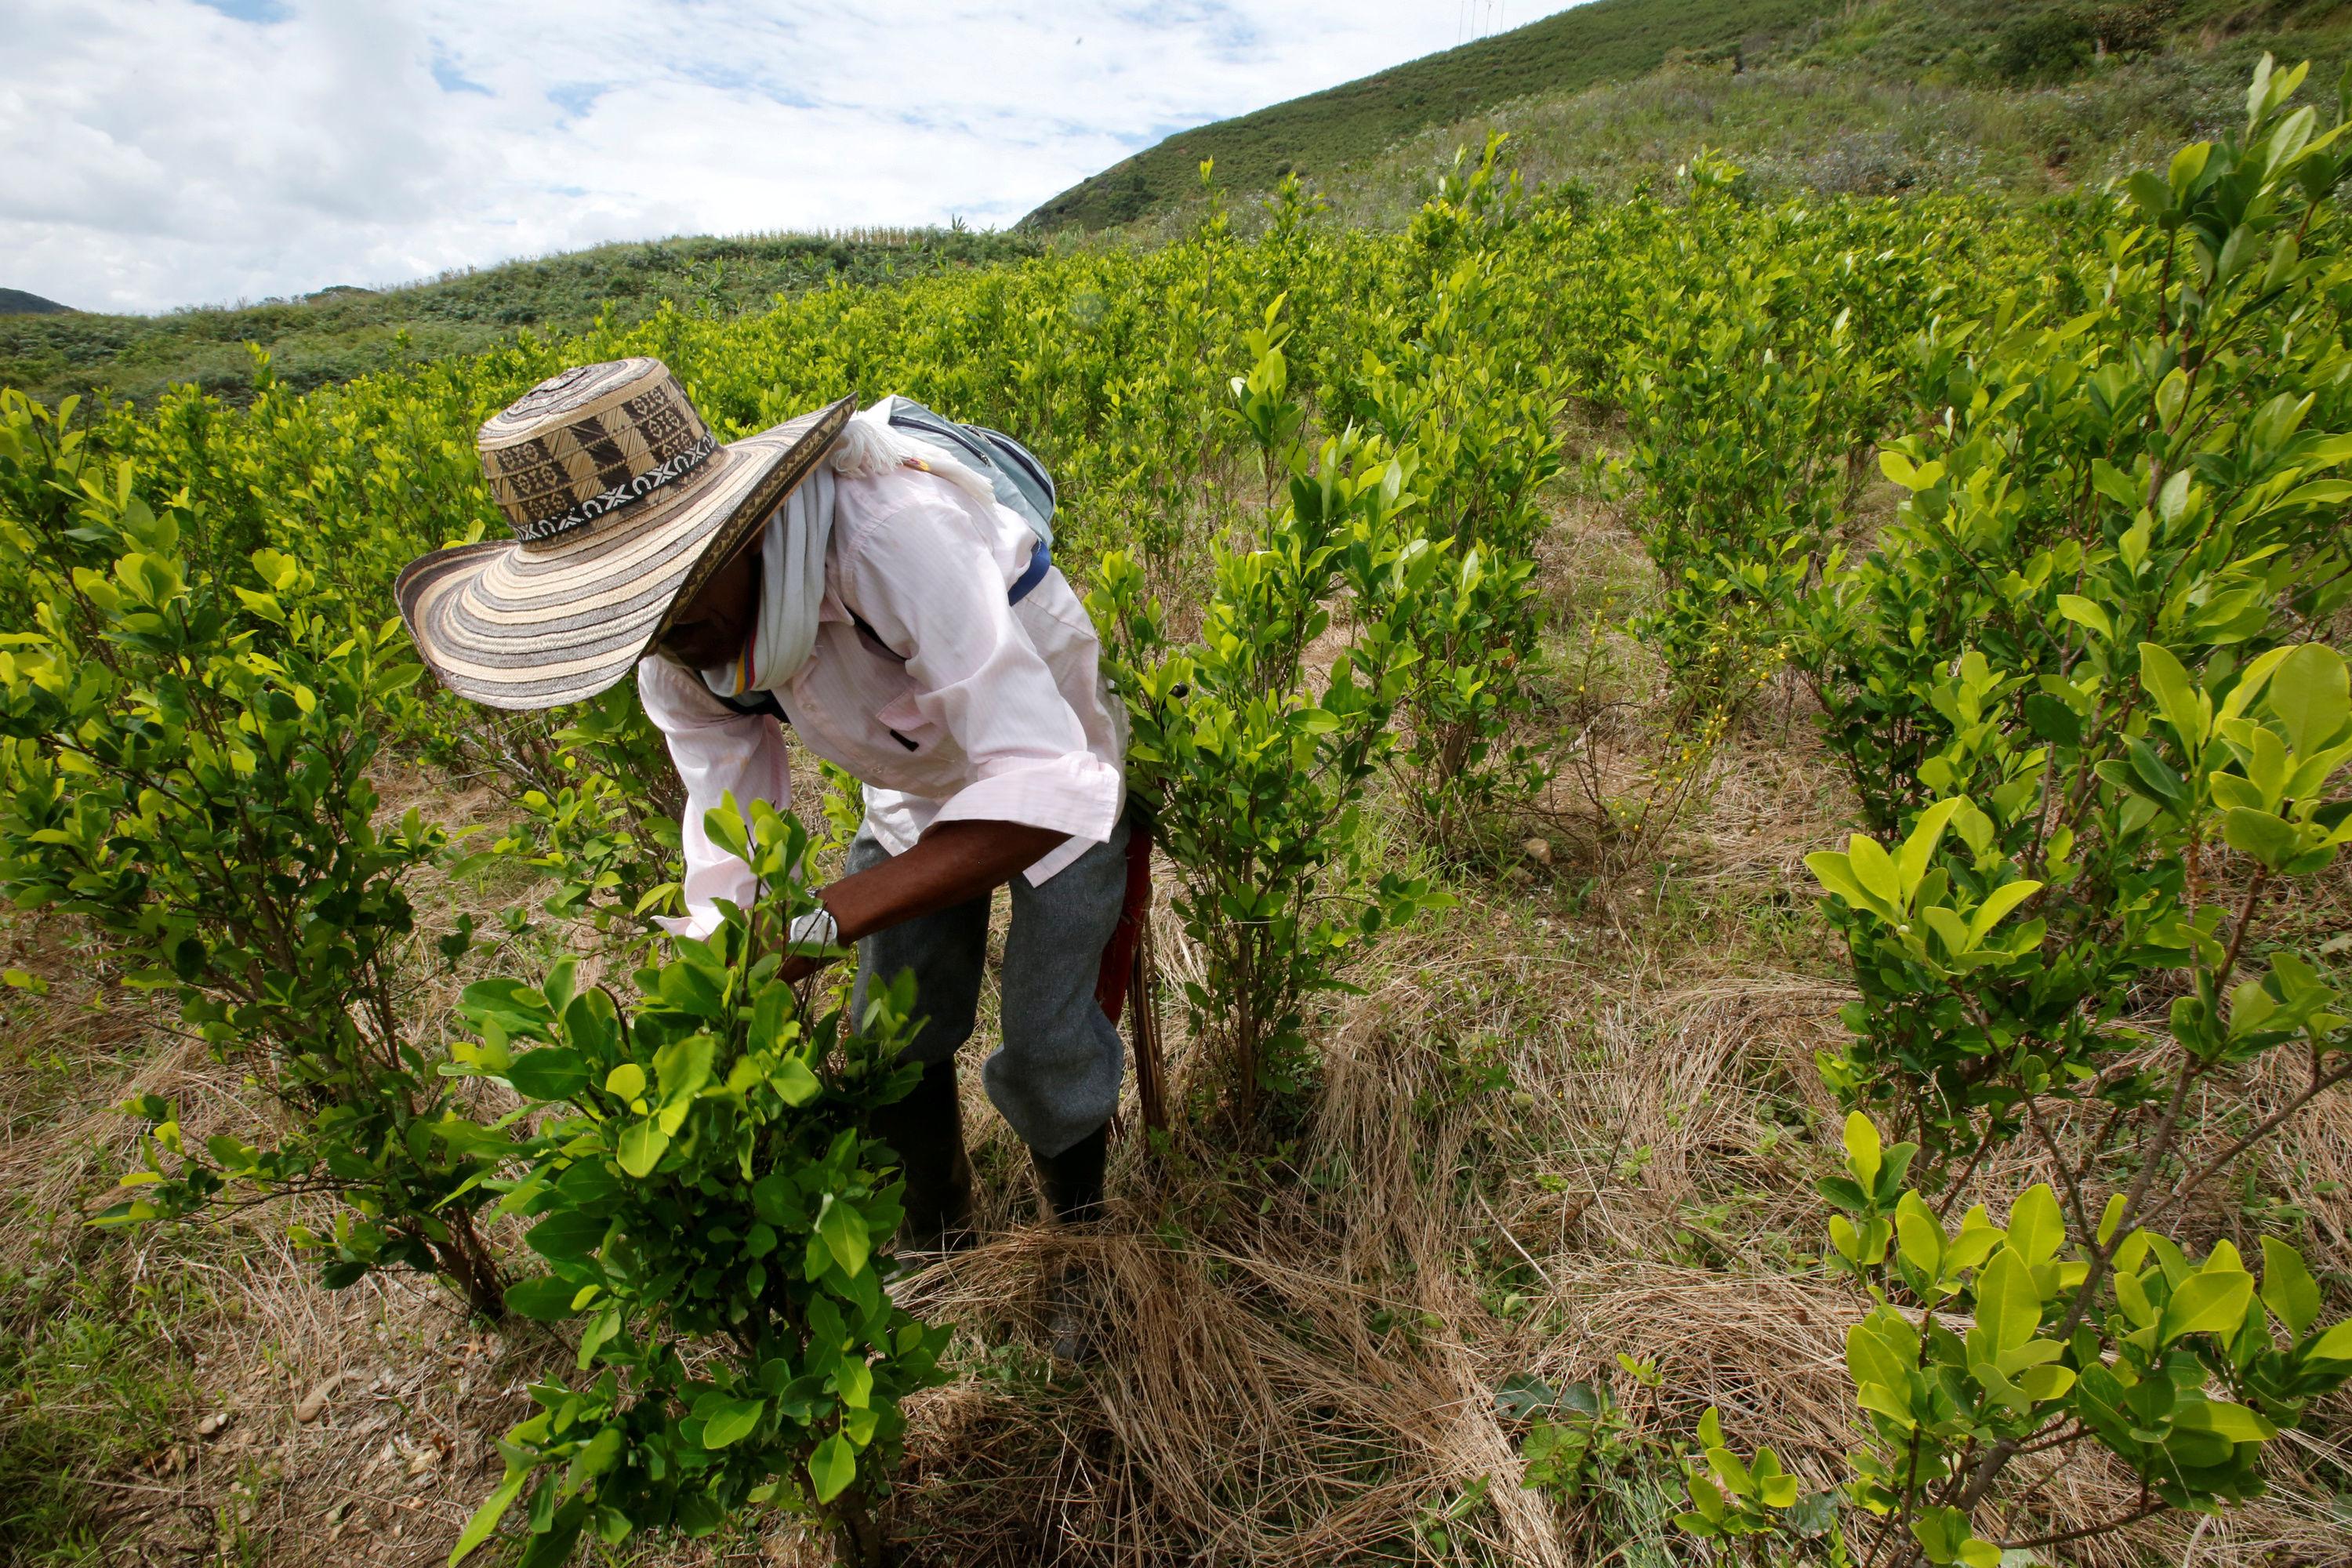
column 1041, row 561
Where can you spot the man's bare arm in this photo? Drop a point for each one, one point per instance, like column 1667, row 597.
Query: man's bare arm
column 956, row 861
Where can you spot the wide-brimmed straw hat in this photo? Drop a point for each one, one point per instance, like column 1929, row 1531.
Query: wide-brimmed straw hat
column 622, row 505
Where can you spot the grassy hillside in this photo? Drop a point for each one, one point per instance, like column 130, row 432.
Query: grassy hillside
column 1814, row 126
column 1870, row 96
column 1606, row 41
column 342, row 332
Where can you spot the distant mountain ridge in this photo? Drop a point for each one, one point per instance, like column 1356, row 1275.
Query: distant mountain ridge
column 17, row 302
column 342, row 331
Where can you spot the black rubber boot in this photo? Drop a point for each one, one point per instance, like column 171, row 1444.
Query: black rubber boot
column 926, row 1131
column 1072, row 1180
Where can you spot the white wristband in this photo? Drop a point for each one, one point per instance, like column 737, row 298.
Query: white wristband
column 816, row 926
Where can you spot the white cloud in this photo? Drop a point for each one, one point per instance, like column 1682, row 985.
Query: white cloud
column 160, row 152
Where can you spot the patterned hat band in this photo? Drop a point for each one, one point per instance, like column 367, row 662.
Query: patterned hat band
column 632, row 489
column 585, row 443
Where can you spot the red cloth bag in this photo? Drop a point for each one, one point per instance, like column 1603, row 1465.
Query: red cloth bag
column 1125, row 964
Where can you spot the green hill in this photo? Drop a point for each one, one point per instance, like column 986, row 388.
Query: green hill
column 17, row 302
column 340, row 332
column 1860, row 95
column 1605, row 40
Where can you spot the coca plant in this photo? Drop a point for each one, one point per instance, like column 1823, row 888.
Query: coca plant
column 2113, row 519
column 710, row 1212
column 2084, row 679
column 2082, row 1319
column 1449, row 360
column 1480, row 417
column 186, row 767
column 1256, row 780
column 1755, row 384
column 2070, row 1325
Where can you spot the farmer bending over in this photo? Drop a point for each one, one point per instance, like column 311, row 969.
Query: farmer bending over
column 871, row 590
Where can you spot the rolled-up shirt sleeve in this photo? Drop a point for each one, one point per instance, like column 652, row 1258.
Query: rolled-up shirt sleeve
column 929, row 587
column 716, row 751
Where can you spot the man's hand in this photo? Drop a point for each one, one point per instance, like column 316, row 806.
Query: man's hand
column 955, row 862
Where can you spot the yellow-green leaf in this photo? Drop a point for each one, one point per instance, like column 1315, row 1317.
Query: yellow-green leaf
column 1874, row 870
column 2009, row 1309
column 2088, row 615
column 2035, row 1229
column 479, row 1528
column 643, row 1144
column 1996, row 906
column 2288, row 1288
column 2213, row 1301
column 2233, row 1423
column 832, row 1468
column 1863, row 1151
column 843, row 1229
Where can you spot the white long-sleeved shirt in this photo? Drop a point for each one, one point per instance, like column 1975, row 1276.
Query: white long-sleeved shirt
column 998, row 713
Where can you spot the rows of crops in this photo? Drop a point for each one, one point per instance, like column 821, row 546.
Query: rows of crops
column 2081, row 687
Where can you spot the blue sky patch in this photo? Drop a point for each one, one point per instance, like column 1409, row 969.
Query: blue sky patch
column 446, row 75
column 764, row 82
column 576, row 98
column 260, row 11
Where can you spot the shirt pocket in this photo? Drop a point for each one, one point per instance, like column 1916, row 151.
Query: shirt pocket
column 903, row 721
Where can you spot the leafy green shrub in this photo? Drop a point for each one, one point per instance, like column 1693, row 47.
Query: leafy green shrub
column 2048, row 1332
column 1737, row 1499
column 2119, row 533
column 186, row 767
column 1479, row 415
column 2087, row 1322
column 1256, row 784
column 1578, row 1436
column 2081, row 678
column 44, row 456
column 1756, row 363
column 709, row 1211
column 1752, row 391
column 2136, row 1330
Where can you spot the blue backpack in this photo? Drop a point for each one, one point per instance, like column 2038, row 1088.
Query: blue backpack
column 1020, row 479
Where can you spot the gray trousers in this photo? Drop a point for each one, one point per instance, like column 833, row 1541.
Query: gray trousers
column 1056, row 1076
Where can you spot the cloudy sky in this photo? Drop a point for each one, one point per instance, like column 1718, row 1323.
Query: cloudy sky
column 164, row 152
